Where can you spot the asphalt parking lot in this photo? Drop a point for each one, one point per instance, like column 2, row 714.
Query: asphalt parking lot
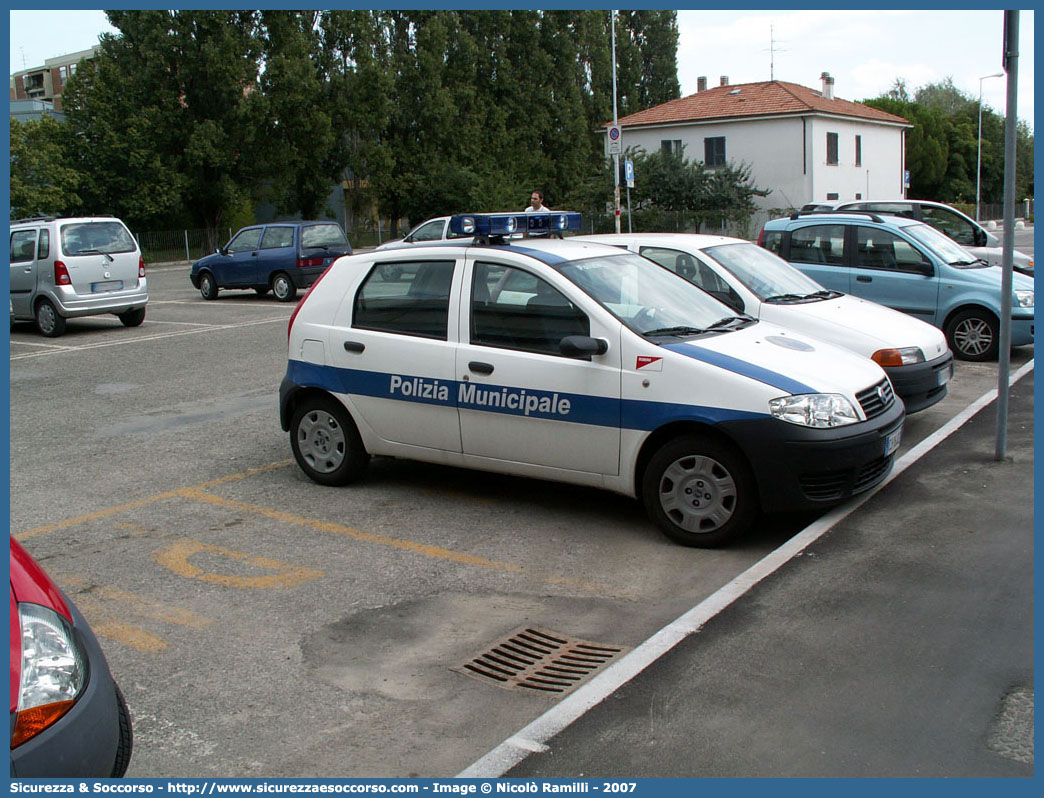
column 262, row 625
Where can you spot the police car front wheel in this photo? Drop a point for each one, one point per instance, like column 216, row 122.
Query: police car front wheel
column 699, row 492
column 326, row 443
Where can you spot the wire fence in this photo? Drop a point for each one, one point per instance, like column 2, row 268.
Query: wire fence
column 186, row 246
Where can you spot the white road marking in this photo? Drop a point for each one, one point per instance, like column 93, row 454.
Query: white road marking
column 159, row 336
column 536, row 735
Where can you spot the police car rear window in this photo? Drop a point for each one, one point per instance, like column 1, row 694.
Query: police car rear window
column 406, row 298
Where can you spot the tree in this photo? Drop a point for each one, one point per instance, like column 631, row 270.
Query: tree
column 169, row 117
column 942, row 149
column 42, row 181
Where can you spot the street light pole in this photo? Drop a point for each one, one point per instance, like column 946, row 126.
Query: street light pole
column 978, row 165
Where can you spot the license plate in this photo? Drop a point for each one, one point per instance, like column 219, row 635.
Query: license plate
column 108, row 285
column 946, row 374
column 892, row 441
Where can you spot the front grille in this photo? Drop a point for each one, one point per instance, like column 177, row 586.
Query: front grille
column 876, row 399
column 833, row 486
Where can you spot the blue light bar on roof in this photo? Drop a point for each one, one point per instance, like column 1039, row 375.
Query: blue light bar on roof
column 506, row 224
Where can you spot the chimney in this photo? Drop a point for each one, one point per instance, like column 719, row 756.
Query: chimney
column 828, row 86
column 701, row 83
column 724, row 80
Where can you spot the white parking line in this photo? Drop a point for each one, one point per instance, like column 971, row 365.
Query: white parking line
column 138, row 339
column 534, row 737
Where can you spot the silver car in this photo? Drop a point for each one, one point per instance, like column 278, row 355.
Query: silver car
column 71, row 267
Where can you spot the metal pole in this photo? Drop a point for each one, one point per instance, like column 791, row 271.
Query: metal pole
column 187, row 255
column 1011, row 65
column 978, row 167
column 616, row 122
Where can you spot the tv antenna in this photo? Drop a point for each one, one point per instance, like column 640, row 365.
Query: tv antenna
column 773, row 49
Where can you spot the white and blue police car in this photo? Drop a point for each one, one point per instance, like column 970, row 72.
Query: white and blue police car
column 581, row 363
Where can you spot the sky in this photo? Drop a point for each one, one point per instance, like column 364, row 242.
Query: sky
column 865, row 51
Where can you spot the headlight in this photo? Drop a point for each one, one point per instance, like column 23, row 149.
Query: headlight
column 814, row 410
column 898, row 357
column 54, row 671
column 1024, row 299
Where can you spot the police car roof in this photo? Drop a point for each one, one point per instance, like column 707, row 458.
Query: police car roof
column 693, row 240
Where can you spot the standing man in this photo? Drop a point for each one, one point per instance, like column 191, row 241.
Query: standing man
column 536, row 203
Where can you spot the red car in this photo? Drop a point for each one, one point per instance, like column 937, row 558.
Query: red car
column 68, row 717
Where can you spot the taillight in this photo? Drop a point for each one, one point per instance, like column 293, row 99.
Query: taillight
column 61, row 274
column 305, row 262
column 141, row 266
column 761, row 237
column 290, row 324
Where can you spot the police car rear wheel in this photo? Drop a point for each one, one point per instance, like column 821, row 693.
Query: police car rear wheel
column 699, row 492
column 326, row 443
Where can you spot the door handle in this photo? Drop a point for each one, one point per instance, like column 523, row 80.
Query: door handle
column 480, row 368
column 354, row 346
column 864, row 279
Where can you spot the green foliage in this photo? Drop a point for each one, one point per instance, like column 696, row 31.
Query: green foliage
column 187, row 117
column 942, row 149
column 675, row 193
column 42, row 182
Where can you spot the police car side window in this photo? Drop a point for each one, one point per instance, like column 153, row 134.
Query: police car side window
column 514, row 309
column 406, row 298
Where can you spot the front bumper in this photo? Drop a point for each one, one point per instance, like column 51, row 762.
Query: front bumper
column 83, row 742
column 1021, row 331
column 921, row 385
column 800, row 468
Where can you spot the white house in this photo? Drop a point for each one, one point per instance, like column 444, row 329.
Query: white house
column 803, row 144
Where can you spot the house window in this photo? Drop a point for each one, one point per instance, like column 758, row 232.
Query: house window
column 833, row 196
column 832, row 148
column 670, row 146
column 714, row 151
column 859, row 151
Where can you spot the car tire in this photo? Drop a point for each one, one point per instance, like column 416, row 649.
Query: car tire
column 283, row 287
column 49, row 322
column 974, row 335
column 262, row 291
column 699, row 492
column 207, row 287
column 132, row 318
column 326, row 443
column 125, row 744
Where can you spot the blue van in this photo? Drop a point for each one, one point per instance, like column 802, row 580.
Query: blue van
column 280, row 257
column 909, row 266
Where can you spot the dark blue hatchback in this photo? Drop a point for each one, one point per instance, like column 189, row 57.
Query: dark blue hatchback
column 280, row 257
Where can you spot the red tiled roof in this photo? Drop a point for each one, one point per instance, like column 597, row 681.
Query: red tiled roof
column 772, row 98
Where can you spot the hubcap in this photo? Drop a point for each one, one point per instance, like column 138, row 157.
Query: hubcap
column 321, row 441
column 698, row 493
column 973, row 336
column 281, row 289
column 45, row 316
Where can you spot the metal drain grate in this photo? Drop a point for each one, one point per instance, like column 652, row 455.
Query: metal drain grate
column 542, row 661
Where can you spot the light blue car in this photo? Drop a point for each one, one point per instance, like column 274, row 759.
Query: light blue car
column 910, row 266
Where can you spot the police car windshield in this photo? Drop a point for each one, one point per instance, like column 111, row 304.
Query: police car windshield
column 647, row 297
column 768, row 276
column 945, row 247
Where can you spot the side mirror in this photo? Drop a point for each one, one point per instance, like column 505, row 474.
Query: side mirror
column 979, row 237
column 924, row 267
column 221, row 251
column 582, row 346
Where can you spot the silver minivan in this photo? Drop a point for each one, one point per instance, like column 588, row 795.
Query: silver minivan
column 71, row 267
